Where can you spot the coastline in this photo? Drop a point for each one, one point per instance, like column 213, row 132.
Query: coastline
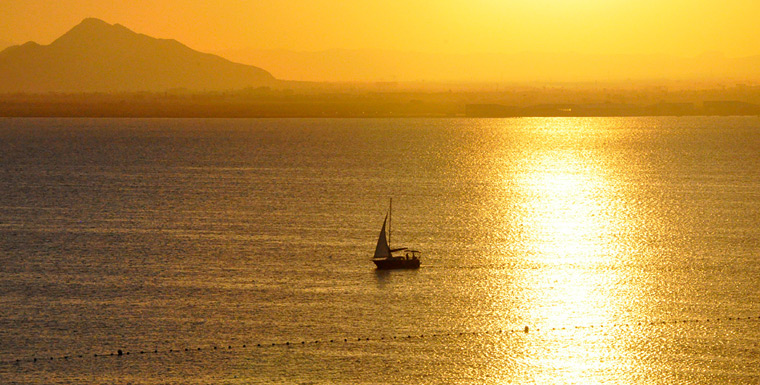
column 394, row 106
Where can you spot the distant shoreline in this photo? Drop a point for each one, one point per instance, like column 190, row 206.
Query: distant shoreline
column 266, row 103
column 298, row 110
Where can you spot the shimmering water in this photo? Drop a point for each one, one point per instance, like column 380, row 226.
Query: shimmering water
column 629, row 247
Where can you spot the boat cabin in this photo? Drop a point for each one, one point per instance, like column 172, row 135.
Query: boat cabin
column 411, row 254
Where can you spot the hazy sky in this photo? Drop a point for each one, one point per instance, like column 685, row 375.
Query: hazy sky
column 678, row 27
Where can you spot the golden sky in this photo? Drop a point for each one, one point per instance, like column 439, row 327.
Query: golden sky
column 677, row 27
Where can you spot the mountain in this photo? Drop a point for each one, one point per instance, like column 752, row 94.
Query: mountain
column 95, row 56
column 365, row 65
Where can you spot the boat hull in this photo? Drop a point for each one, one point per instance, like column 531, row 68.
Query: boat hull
column 396, row 263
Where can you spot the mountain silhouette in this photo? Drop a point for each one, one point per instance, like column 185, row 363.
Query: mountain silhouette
column 370, row 65
column 95, row 56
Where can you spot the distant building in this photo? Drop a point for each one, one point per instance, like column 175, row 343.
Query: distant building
column 676, row 109
column 730, row 107
column 491, row 111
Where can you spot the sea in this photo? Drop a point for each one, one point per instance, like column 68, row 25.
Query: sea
column 238, row 251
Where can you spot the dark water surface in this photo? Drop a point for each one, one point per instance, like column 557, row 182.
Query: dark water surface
column 630, row 247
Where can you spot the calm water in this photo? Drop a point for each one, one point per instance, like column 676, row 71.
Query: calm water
column 630, row 247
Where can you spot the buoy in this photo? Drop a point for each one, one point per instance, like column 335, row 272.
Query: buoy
column 119, row 352
column 526, row 329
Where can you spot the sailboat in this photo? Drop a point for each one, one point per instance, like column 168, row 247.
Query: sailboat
column 386, row 258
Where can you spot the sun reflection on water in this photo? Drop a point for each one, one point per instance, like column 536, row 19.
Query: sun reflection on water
column 566, row 218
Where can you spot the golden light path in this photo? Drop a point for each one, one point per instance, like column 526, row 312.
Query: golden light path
column 571, row 248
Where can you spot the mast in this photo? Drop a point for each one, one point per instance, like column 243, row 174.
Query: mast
column 390, row 210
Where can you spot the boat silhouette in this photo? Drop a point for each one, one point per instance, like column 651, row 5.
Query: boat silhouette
column 387, row 258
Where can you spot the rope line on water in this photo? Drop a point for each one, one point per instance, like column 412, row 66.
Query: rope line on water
column 230, row 347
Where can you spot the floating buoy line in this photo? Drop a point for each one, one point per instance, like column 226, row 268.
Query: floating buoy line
column 120, row 353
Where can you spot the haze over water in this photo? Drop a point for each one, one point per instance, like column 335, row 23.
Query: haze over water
column 628, row 247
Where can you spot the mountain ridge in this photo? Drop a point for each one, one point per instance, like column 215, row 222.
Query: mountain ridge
column 370, row 65
column 95, row 56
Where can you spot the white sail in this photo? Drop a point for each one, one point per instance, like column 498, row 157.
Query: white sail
column 382, row 250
